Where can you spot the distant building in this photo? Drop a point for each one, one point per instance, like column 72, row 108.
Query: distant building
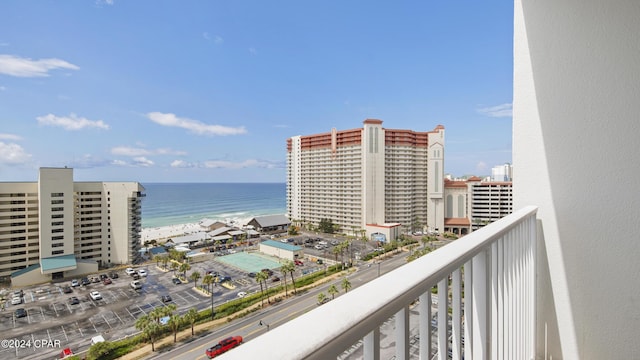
column 281, row 250
column 502, row 173
column 59, row 228
column 472, row 203
column 369, row 175
column 270, row 223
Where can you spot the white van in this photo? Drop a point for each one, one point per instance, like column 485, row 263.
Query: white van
column 136, row 285
column 97, row 339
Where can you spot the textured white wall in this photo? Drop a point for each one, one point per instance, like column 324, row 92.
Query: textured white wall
column 576, row 127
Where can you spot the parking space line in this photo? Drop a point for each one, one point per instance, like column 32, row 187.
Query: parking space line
column 130, row 313
column 94, row 325
column 42, row 313
column 116, row 314
column 105, row 319
column 64, row 332
column 54, row 309
column 48, row 335
column 144, row 312
column 79, row 329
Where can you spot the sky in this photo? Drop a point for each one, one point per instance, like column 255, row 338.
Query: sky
column 209, row 91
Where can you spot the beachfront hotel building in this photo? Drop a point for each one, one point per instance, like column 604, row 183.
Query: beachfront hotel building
column 56, row 228
column 371, row 178
column 473, row 203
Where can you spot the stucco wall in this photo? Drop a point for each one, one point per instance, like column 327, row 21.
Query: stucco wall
column 575, row 145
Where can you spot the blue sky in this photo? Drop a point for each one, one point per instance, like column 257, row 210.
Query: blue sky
column 209, row 91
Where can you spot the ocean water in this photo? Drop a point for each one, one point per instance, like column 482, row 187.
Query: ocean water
column 180, row 203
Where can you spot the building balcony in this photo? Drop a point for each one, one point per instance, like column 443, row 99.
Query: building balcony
column 486, row 288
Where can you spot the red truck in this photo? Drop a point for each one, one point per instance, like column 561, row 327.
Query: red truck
column 223, row 346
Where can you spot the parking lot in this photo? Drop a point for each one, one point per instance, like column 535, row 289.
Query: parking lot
column 52, row 318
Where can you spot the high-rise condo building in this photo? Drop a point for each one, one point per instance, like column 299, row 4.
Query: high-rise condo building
column 371, row 178
column 57, row 228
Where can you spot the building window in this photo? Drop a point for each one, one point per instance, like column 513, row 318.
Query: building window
column 57, row 209
column 57, row 202
column 57, row 245
column 57, row 223
column 57, row 194
column 57, row 252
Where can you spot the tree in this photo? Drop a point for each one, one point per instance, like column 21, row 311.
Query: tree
column 174, row 323
column 208, row 280
column 293, row 230
column 191, row 317
column 286, row 268
column 150, row 329
column 333, row 290
column 195, row 276
column 326, row 226
column 165, row 260
column 184, row 267
column 260, row 278
column 346, row 284
column 100, row 350
column 174, row 266
column 321, row 297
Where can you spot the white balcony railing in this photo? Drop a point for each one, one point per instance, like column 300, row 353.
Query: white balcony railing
column 485, row 281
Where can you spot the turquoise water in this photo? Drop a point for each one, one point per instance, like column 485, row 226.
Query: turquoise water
column 179, row 203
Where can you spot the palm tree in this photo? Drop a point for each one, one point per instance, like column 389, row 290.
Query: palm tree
column 195, row 276
column 336, row 251
column 183, row 269
column 286, row 268
column 321, row 297
column 174, row 267
column 260, row 278
column 149, row 328
column 191, row 317
column 165, row 260
column 333, row 290
column 156, row 314
column 175, row 321
column 208, row 280
column 346, row 284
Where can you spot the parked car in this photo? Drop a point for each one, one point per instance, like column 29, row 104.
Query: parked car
column 275, row 278
column 16, row 300
column 95, row 295
column 106, row 281
column 113, row 275
column 176, row 281
column 20, row 313
column 242, row 294
column 135, row 276
column 324, row 301
column 142, row 272
column 322, row 243
column 67, row 289
column 318, row 247
column 268, row 271
column 225, row 278
column 252, row 274
column 95, row 279
column 298, row 262
column 129, row 271
column 74, row 300
column 85, row 281
column 75, row 283
column 166, row 298
column 103, row 276
column 135, row 285
column 319, row 261
column 223, row 346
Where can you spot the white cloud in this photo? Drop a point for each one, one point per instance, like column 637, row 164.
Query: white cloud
column 140, row 161
column 281, row 126
column 13, row 154
column 481, row 166
column 253, row 51
column 10, row 137
column 104, row 2
column 503, row 110
column 131, row 151
column 72, row 122
column 194, row 126
column 25, row 67
column 182, row 164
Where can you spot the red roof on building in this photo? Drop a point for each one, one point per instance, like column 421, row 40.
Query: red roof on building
column 457, row 222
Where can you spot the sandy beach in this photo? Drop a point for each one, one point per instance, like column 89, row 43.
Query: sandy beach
column 163, row 233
